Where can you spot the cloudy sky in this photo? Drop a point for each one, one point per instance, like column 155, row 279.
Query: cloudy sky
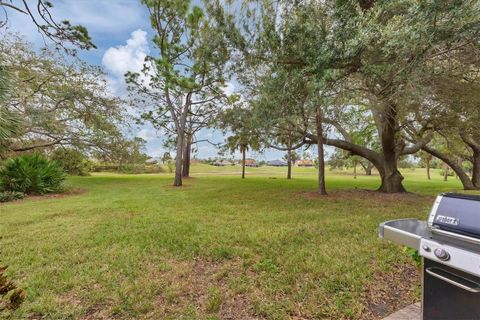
column 121, row 31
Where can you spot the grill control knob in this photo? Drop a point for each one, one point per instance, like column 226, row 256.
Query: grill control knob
column 442, row 254
column 426, row 248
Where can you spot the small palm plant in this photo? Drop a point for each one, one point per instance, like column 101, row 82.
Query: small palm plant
column 32, row 174
column 9, row 121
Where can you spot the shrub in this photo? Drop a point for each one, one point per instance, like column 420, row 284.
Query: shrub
column 155, row 168
column 131, row 168
column 32, row 174
column 450, row 173
column 6, row 196
column 171, row 166
column 72, row 161
column 412, row 253
column 141, row 168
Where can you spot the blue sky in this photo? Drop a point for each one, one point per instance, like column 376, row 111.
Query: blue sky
column 121, row 31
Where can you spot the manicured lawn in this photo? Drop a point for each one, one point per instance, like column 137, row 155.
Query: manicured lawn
column 132, row 246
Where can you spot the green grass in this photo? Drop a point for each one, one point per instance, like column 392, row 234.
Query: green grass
column 134, row 247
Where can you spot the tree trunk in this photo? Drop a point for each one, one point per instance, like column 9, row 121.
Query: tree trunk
column 476, row 168
column 355, row 169
column 464, row 178
column 289, row 164
column 178, row 161
column 186, row 158
column 445, row 173
column 368, row 169
column 391, row 177
column 427, row 163
column 475, row 146
column 321, row 161
column 376, row 159
column 244, row 157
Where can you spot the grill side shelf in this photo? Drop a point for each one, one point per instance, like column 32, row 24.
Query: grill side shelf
column 406, row 232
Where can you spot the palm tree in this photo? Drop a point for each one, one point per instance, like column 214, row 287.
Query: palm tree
column 9, row 121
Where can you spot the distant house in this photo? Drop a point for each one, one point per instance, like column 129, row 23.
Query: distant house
column 154, row 160
column 276, row 163
column 223, row 163
column 305, row 163
column 251, row 163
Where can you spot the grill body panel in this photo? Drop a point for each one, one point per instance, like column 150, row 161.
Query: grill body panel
column 445, row 301
column 449, row 244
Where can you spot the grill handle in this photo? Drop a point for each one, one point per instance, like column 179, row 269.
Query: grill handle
column 455, row 235
column 446, row 276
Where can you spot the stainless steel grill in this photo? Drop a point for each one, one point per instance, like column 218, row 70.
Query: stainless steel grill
column 449, row 244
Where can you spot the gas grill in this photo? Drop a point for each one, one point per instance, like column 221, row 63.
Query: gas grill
column 449, row 244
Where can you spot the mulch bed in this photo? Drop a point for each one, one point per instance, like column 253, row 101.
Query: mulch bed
column 68, row 193
column 391, row 291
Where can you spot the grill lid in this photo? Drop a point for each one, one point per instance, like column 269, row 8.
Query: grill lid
column 456, row 214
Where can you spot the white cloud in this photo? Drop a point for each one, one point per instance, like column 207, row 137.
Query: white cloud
column 148, row 134
column 229, row 88
column 129, row 57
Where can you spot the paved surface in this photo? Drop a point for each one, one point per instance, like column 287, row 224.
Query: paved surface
column 412, row 312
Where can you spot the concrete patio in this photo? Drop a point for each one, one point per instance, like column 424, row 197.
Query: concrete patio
column 412, row 312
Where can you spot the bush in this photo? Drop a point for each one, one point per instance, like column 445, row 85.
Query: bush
column 32, row 174
column 450, row 173
column 141, row 168
column 72, row 161
column 6, row 196
column 132, row 168
column 171, row 166
column 412, row 253
column 106, row 168
column 155, row 168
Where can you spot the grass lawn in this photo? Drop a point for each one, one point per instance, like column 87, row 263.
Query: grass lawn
column 133, row 247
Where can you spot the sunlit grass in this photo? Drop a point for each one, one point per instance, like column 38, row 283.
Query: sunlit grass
column 133, row 247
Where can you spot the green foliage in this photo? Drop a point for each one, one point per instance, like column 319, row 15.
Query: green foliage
column 166, row 157
column 406, row 163
column 6, row 196
column 9, row 121
column 128, row 153
column 241, row 123
column 32, row 174
column 129, row 168
column 170, row 166
column 60, row 32
column 412, row 253
column 182, row 87
column 75, row 107
column 72, row 161
column 9, row 126
column 4, row 83
column 450, row 173
column 140, row 168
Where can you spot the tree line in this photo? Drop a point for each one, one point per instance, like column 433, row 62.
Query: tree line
column 379, row 80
